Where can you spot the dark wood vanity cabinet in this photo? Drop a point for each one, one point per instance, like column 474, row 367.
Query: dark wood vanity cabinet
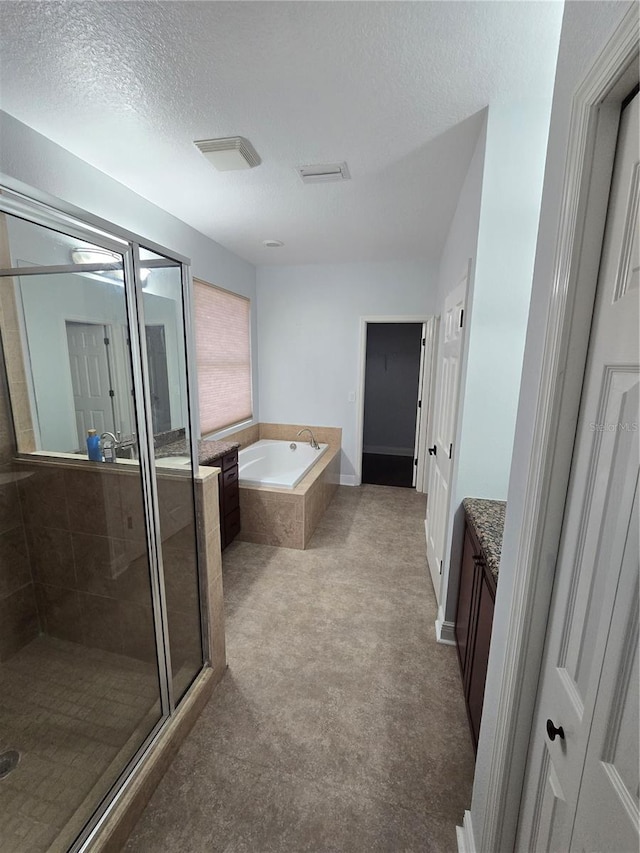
column 474, row 621
column 229, row 497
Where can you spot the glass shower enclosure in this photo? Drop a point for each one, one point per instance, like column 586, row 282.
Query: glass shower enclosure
column 100, row 609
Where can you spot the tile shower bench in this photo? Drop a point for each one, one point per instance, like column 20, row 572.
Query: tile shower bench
column 484, row 525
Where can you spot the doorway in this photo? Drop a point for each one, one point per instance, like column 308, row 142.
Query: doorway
column 91, row 378
column 158, row 379
column 393, row 359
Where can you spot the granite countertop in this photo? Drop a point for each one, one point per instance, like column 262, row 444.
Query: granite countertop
column 208, row 451
column 487, row 520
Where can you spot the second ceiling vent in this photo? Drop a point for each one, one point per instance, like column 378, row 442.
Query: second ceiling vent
column 324, row 172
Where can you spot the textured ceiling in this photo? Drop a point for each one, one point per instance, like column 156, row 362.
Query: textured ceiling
column 393, row 88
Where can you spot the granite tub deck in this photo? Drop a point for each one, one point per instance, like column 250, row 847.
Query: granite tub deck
column 487, row 520
column 287, row 517
column 209, row 452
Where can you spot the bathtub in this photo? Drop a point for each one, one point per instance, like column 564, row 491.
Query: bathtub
column 274, row 463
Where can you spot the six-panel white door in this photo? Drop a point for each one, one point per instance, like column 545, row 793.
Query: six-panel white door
column 443, row 428
column 581, row 789
column 90, row 378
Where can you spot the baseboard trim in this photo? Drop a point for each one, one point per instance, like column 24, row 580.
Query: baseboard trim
column 349, row 480
column 445, row 632
column 464, row 834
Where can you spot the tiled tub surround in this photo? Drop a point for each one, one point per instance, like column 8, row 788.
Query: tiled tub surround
column 288, row 517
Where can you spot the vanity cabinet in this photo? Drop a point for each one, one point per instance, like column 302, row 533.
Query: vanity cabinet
column 229, row 497
column 474, row 621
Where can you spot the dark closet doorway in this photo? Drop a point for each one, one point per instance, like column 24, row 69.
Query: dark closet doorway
column 392, row 377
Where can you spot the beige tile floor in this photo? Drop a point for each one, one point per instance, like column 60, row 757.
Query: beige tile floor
column 340, row 725
column 69, row 711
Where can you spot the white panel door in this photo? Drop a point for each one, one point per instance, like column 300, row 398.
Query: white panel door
column 444, row 421
column 420, row 412
column 581, row 787
column 90, row 378
column 428, row 380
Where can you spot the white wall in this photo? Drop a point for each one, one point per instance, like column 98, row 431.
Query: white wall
column 309, row 337
column 461, row 246
column 510, row 207
column 497, row 309
column 462, row 238
column 32, row 159
column 586, row 28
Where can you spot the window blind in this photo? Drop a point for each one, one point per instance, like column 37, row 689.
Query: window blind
column 223, row 356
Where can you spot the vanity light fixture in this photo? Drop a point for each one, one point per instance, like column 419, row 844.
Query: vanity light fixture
column 95, row 256
column 229, row 153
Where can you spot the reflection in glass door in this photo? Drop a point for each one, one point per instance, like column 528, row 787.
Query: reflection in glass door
column 95, row 555
column 163, row 308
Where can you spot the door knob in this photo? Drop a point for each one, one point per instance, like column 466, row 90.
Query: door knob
column 552, row 731
column 433, row 450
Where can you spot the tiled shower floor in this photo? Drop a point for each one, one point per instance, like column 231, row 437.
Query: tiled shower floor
column 69, row 711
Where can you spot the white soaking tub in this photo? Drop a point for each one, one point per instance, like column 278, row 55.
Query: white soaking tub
column 274, row 463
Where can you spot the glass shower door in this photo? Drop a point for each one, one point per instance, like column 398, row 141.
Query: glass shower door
column 82, row 665
column 163, row 297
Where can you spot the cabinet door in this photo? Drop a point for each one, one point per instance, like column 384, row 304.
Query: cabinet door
column 464, row 614
column 480, row 659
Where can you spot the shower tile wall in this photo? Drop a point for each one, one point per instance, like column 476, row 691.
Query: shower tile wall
column 86, row 538
column 88, row 563
column 18, row 613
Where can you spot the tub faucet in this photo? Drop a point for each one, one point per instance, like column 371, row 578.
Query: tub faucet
column 313, row 441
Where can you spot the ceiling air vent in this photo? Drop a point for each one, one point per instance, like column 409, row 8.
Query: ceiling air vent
column 232, row 152
column 324, row 172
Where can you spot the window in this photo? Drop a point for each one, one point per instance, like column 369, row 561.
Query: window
column 223, row 356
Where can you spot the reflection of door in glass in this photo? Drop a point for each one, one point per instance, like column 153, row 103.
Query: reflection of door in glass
column 158, row 379
column 90, row 378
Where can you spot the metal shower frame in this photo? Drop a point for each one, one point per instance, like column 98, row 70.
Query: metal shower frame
column 38, row 208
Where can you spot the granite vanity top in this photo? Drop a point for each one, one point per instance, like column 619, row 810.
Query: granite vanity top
column 208, row 451
column 487, row 520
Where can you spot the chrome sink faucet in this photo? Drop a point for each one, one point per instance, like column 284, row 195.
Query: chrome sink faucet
column 313, row 441
column 108, row 446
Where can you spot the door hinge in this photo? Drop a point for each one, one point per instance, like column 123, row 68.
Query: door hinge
column 112, row 393
column 461, row 317
column 419, row 404
column 415, row 461
column 450, row 451
column 424, row 342
column 106, row 342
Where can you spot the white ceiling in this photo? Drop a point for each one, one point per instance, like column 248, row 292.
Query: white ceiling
column 394, row 88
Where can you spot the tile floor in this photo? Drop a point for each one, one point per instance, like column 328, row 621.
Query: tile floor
column 340, row 725
column 69, row 711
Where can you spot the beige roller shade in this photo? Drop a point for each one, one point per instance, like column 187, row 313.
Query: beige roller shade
column 223, row 356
